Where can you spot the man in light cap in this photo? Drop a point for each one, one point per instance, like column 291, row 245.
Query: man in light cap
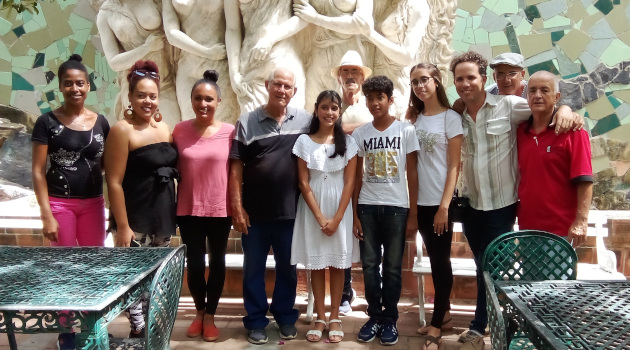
column 350, row 74
column 509, row 71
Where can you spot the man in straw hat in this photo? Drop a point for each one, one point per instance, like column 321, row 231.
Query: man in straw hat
column 350, row 74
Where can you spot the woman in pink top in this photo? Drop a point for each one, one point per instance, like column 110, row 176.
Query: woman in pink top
column 203, row 211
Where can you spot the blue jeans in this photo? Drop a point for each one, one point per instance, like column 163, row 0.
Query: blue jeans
column 480, row 228
column 276, row 234
column 383, row 226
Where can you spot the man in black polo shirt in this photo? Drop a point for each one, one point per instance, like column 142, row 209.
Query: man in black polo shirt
column 263, row 193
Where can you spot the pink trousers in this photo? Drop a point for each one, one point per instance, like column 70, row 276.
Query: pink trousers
column 81, row 221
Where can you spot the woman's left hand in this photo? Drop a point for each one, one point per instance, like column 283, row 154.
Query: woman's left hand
column 331, row 228
column 440, row 221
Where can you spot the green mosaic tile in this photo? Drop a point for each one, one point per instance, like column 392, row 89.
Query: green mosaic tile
column 589, row 61
column 604, row 5
column 481, row 36
column 6, row 78
column 39, row 60
column 81, row 35
column 608, row 92
column 20, row 83
column 460, row 28
column 4, row 52
column 461, row 13
column 592, row 10
column 605, row 125
column 469, row 36
column 476, row 21
column 504, row 6
column 91, row 99
column 19, row 31
column 523, row 28
column 50, row 96
column 613, row 101
column 491, row 4
column 617, row 52
column 32, row 26
column 512, row 39
column 557, row 35
column 5, row 26
column 598, row 47
column 45, row 110
column 92, row 84
column 547, row 66
column 616, row 2
column 460, row 46
column 25, row 62
column 532, row 12
column 78, row 23
column 497, row 39
column 557, row 22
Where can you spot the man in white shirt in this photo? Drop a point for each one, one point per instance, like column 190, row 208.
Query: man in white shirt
column 350, row 74
column 489, row 169
column 509, row 71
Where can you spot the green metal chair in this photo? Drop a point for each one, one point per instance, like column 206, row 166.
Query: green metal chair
column 527, row 255
column 162, row 309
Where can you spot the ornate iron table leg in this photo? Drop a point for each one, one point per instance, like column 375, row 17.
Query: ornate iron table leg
column 96, row 338
column 12, row 342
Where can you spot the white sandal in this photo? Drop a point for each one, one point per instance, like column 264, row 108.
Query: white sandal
column 316, row 332
column 335, row 333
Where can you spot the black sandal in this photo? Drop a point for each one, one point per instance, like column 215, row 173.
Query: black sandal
column 432, row 340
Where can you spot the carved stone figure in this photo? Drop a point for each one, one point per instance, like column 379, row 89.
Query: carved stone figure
column 399, row 25
column 131, row 30
column 252, row 59
column 335, row 29
column 197, row 27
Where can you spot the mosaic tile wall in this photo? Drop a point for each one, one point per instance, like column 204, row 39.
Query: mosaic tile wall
column 586, row 42
column 32, row 46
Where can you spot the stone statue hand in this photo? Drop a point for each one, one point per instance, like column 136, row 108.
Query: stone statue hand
column 364, row 25
column 261, row 50
column 239, row 86
column 304, row 10
column 155, row 41
column 215, row 52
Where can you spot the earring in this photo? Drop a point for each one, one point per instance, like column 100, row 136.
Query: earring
column 128, row 113
column 157, row 116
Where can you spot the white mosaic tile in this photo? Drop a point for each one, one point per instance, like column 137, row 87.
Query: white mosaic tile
column 549, row 9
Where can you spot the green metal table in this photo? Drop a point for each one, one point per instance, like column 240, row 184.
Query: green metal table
column 62, row 289
column 571, row 314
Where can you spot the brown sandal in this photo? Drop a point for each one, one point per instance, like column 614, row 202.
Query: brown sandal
column 446, row 327
column 432, row 340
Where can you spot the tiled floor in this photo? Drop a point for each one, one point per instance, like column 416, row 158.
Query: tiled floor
column 234, row 336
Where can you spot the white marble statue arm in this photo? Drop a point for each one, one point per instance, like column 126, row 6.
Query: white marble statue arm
column 233, row 42
column 119, row 61
column 279, row 32
column 404, row 52
column 359, row 22
column 177, row 38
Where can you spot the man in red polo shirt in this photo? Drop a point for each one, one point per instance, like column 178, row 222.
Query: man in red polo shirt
column 556, row 185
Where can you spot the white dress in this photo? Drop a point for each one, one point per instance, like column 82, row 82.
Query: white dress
column 310, row 246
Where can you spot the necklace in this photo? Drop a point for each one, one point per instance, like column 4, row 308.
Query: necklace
column 74, row 121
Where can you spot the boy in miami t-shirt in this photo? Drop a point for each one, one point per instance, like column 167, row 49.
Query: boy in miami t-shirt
column 382, row 215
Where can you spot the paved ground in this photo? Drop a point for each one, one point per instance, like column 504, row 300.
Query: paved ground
column 234, row 336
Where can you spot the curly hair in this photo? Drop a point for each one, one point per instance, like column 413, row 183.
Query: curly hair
column 378, row 84
column 416, row 105
column 143, row 70
column 470, row 56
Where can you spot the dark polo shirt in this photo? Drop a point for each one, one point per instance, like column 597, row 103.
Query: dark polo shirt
column 270, row 188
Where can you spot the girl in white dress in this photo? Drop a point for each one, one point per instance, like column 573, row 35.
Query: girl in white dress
column 322, row 235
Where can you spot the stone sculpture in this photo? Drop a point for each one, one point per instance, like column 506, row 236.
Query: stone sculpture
column 131, row 30
column 244, row 39
column 268, row 40
column 197, row 28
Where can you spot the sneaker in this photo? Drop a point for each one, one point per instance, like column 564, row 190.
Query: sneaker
column 389, row 333
column 287, row 331
column 66, row 341
column 257, row 336
column 370, row 330
column 141, row 334
column 345, row 308
column 472, row 340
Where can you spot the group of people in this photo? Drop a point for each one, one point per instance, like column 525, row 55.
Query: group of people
column 346, row 183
